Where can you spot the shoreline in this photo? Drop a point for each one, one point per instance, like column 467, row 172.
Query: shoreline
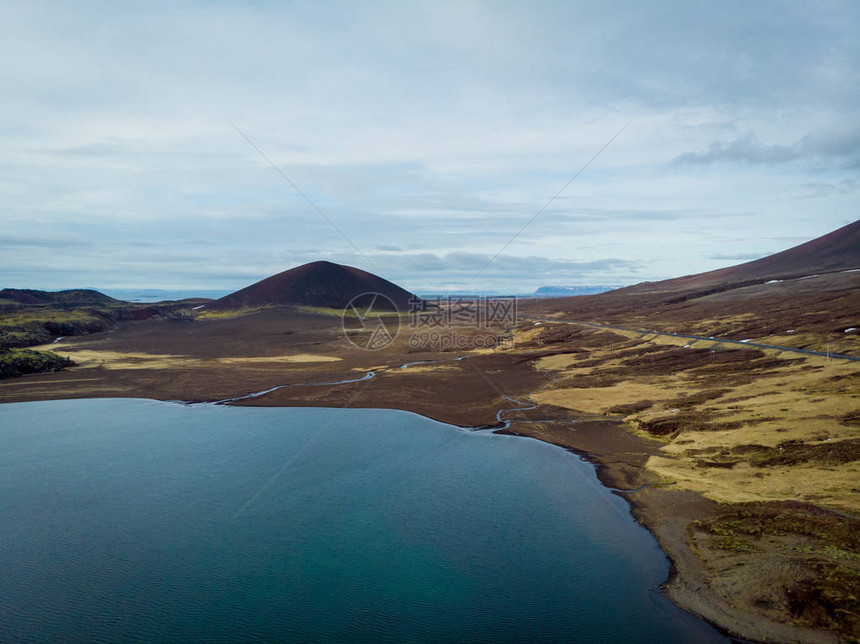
column 236, row 358
column 464, row 430
column 665, row 512
column 655, row 506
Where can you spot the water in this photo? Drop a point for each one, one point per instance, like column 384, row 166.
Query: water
column 161, row 295
column 117, row 525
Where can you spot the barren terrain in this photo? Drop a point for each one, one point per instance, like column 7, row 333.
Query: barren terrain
column 743, row 460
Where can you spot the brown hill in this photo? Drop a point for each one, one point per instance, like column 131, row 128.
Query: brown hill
column 805, row 297
column 321, row 284
column 75, row 297
column 831, row 253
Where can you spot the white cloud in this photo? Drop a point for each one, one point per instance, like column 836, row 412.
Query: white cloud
column 437, row 128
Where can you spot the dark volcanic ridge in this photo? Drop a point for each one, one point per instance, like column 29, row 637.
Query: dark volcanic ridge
column 319, row 284
column 74, row 297
column 831, row 253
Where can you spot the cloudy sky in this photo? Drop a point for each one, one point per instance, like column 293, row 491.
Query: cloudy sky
column 428, row 134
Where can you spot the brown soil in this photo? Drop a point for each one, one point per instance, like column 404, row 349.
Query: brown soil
column 632, row 436
column 810, row 313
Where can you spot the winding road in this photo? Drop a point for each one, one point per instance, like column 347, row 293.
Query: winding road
column 744, row 343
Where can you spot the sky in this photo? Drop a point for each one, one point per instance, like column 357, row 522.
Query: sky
column 420, row 140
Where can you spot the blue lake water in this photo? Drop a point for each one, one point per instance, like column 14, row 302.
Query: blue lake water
column 118, row 523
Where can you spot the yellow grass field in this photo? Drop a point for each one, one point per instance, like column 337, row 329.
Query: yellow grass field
column 808, row 401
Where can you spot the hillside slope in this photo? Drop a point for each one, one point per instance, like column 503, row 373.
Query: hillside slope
column 806, row 297
column 76, row 297
column 833, row 252
column 319, row 284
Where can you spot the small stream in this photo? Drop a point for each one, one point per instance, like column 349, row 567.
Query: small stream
column 226, row 401
column 503, row 423
column 367, row 376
